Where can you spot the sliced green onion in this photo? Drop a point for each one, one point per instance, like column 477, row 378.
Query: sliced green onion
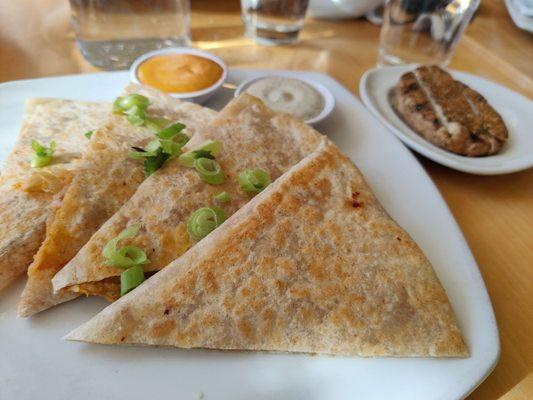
column 210, row 149
column 134, row 106
column 136, row 115
column 170, row 147
column 203, row 154
column 127, row 256
column 152, row 146
column 209, row 170
column 187, row 159
column 170, row 131
column 117, row 105
column 130, row 279
column 133, row 100
column 140, row 153
column 42, row 155
column 254, row 180
column 204, row 220
column 156, row 123
column 223, row 197
column 154, row 162
column 181, row 138
column 89, row 134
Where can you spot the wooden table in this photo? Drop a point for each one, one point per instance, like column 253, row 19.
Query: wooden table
column 495, row 213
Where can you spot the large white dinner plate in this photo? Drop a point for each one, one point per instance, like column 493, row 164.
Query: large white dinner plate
column 36, row 364
column 516, row 111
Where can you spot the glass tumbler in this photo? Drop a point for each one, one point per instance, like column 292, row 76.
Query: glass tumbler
column 273, row 22
column 422, row 31
column 111, row 34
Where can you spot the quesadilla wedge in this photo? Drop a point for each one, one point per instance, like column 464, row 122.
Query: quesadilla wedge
column 252, row 137
column 106, row 179
column 27, row 194
column 313, row 264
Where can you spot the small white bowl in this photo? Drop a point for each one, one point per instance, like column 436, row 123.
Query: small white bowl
column 329, row 100
column 199, row 96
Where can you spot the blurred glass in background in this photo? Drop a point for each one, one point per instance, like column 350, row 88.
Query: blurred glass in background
column 111, row 34
column 273, row 22
column 422, row 31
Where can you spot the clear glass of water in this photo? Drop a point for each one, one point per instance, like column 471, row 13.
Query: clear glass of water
column 273, row 22
column 111, row 34
column 422, row 31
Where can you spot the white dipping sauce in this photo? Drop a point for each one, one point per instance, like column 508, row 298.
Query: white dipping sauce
column 288, row 95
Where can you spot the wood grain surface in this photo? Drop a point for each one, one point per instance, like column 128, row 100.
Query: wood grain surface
column 495, row 213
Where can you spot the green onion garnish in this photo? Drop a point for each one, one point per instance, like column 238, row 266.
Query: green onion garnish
column 130, row 279
column 154, row 162
column 168, row 144
column 140, row 153
column 254, row 180
column 170, row 147
column 43, row 155
column 89, row 134
column 210, row 149
column 223, row 197
column 130, row 101
column 156, row 123
column 209, row 171
column 136, row 115
column 127, row 256
column 171, row 131
column 204, row 220
column 134, row 107
column 117, row 105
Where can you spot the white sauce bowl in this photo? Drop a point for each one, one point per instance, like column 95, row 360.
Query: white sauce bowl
column 329, row 100
column 199, row 96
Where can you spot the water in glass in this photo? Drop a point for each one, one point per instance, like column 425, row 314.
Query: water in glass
column 273, row 22
column 111, row 34
column 422, row 31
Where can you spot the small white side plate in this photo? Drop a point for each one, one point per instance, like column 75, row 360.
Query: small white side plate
column 516, row 110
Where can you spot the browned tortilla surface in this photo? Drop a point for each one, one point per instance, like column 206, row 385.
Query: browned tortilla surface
column 252, row 136
column 27, row 194
column 313, row 264
column 106, row 179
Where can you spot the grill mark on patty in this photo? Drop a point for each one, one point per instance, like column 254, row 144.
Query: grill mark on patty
column 456, row 107
column 441, row 118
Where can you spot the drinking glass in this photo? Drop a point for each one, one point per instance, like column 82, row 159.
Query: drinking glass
column 111, row 34
column 422, row 31
column 273, row 22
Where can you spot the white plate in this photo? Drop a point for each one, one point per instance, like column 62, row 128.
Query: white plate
column 36, row 364
column 522, row 21
column 525, row 7
column 516, row 110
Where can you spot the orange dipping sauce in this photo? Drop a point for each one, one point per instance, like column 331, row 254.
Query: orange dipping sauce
column 179, row 73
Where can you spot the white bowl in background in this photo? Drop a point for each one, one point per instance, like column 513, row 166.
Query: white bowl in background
column 329, row 100
column 199, row 96
column 341, row 9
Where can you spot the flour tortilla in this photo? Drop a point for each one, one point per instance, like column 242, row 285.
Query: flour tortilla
column 313, row 264
column 28, row 195
column 252, row 135
column 106, row 180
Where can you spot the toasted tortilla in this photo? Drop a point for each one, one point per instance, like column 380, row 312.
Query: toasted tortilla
column 106, row 180
column 252, row 135
column 27, row 194
column 313, row 264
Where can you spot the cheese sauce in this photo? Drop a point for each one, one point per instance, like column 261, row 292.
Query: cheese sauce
column 179, row 73
column 288, row 95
